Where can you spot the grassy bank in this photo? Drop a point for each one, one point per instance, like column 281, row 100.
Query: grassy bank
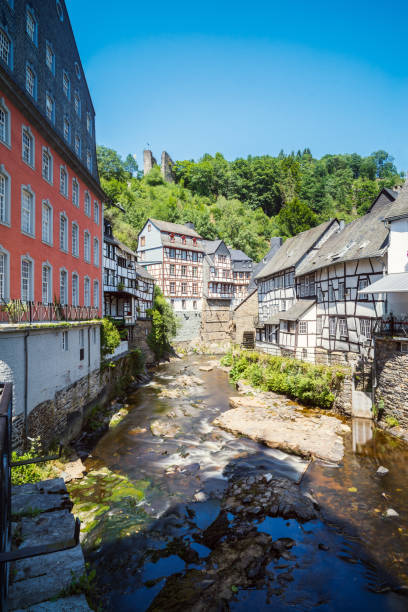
column 312, row 385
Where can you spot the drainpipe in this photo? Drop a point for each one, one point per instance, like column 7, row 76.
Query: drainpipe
column 26, row 384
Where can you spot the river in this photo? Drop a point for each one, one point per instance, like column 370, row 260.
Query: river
column 156, row 530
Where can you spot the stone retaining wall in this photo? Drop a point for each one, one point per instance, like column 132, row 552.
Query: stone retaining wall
column 391, row 367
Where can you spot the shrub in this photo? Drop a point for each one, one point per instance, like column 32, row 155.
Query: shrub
column 110, row 337
column 34, row 472
column 164, row 324
column 313, row 385
column 391, row 421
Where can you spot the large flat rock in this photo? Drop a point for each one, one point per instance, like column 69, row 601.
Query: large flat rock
column 47, row 528
column 286, row 428
column 65, row 604
column 44, row 496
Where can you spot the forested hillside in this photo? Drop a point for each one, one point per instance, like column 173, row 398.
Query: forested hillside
column 245, row 201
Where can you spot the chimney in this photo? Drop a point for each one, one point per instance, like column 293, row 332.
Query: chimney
column 190, row 225
column 342, row 225
column 276, row 242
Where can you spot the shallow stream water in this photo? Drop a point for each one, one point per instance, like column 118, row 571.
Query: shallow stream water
column 153, row 544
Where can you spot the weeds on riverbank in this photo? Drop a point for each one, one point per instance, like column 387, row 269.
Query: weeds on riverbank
column 312, row 385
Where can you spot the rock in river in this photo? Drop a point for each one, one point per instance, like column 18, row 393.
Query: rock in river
column 163, row 428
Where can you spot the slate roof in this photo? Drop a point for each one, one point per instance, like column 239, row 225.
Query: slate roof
column 238, row 255
column 256, row 269
column 176, row 228
column 293, row 249
column 210, row 246
column 400, row 207
column 296, row 311
column 143, row 273
column 364, row 237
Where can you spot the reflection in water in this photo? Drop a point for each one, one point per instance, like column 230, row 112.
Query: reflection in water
column 362, row 432
column 145, row 535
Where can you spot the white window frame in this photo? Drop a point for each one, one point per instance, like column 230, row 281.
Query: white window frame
column 362, row 284
column 75, row 192
column 302, row 327
column 96, row 294
column 5, row 215
column 6, row 132
column 89, row 123
column 66, row 89
column 63, row 298
column 31, row 230
column 50, row 97
column 319, row 325
column 332, row 323
column 77, row 103
column 50, row 48
column 66, row 132
column 30, row 288
column 47, row 239
column 366, row 328
column 7, row 57
column 75, row 289
column 96, row 212
column 32, row 33
column 87, row 203
column 63, row 243
column 30, row 160
column 95, row 251
column 341, row 290
column 77, row 144
column 87, row 294
column 332, row 295
column 342, row 323
column 64, row 172
column 30, row 73
column 89, row 160
column 47, row 176
column 75, row 238
column 46, row 266
column 5, row 279
column 87, row 246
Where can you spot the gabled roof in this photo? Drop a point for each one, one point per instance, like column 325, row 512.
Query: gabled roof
column 296, row 311
column 176, row 228
column 142, row 272
column 400, row 207
column 238, row 255
column 210, row 246
column 364, row 237
column 293, row 249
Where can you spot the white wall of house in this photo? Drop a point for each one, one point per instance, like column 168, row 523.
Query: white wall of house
column 398, row 246
column 152, row 249
column 52, row 364
column 187, row 304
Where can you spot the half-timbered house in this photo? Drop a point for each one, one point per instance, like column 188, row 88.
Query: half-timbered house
column 353, row 258
column 242, row 266
column 285, row 326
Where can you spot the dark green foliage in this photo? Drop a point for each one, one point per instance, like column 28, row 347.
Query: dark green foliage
column 312, row 385
column 110, row 337
column 164, row 325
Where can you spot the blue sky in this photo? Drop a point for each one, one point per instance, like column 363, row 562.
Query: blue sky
column 246, row 78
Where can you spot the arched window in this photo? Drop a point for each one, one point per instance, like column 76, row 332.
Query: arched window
column 28, row 146
column 63, row 233
column 31, row 25
column 47, row 164
column 50, row 107
column 87, row 291
column 87, row 204
column 27, row 210
column 77, row 103
column 96, row 212
column 96, row 294
column 66, row 84
column 87, row 246
column 31, row 81
column 96, row 252
column 77, row 145
column 4, row 274
column 67, row 129
column 26, row 279
column 46, row 219
column 63, row 181
column 89, row 161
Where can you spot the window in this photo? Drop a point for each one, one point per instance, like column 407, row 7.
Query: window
column 195, row 288
column 87, row 204
column 89, row 161
column 46, row 223
column 96, row 294
column 4, row 122
column 27, row 211
column 50, row 57
column 75, row 192
column 46, row 284
column 64, row 341
column 5, row 48
column 319, row 295
column 172, row 269
column 183, row 304
column 63, row 181
column 77, row 145
column 31, row 81
column 343, row 327
column 4, row 196
column 87, row 246
column 60, row 12
column 96, row 212
column 331, row 294
column 172, row 287
column 75, row 289
column 332, row 326
column 28, row 146
column 87, row 291
column 63, row 233
column 340, row 292
column 26, row 280
column 365, row 327
column 302, row 327
column 66, row 84
column 63, row 287
column 96, row 252
column 67, row 129
column 183, row 254
column 50, row 107
column 77, row 104
column 183, row 270
column 194, row 305
column 194, row 271
column 319, row 325
column 171, row 237
column 194, row 256
column 172, row 253
column 77, row 71
column 75, row 240
column 362, row 284
column 142, row 241
column 89, row 123
column 183, row 287
column 81, row 338
column 31, row 26
column 47, row 165
column 3, row 275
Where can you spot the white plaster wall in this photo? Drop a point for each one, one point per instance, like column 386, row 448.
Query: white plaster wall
column 398, row 247
column 178, row 304
column 397, row 303
column 50, row 368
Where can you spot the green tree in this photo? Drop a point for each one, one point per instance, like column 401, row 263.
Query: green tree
column 164, row 325
column 295, row 217
column 110, row 164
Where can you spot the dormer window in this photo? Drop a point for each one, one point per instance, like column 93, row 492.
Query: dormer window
column 171, row 237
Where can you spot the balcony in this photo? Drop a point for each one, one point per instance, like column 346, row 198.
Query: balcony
column 391, row 326
column 16, row 311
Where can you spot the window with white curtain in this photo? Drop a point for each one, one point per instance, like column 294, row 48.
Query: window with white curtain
column 63, row 233
column 75, row 239
column 63, row 287
column 96, row 294
column 75, row 289
column 87, row 291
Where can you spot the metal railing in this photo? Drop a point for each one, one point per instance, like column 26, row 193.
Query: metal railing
column 6, row 554
column 16, row 311
column 391, row 327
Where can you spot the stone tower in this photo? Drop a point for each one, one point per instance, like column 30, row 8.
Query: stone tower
column 148, row 161
column 166, row 167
